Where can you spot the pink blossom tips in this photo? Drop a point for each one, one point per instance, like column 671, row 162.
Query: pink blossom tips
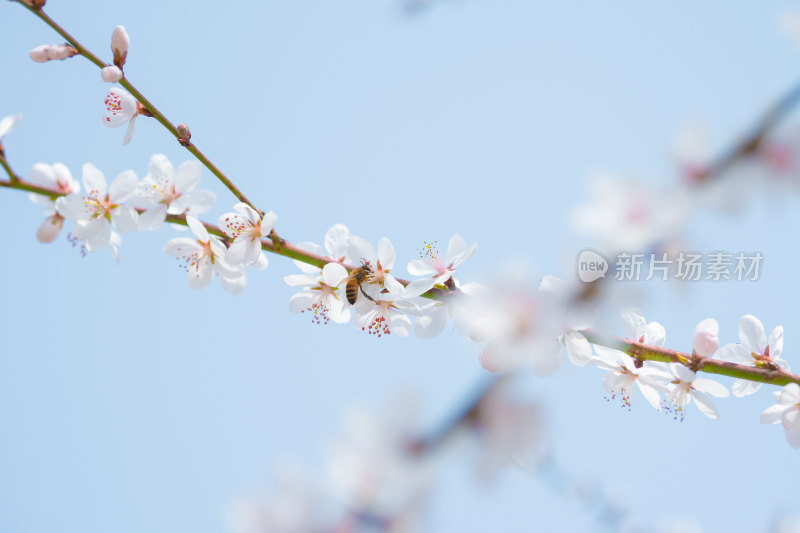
column 49, row 52
column 111, row 74
column 706, row 340
column 120, row 42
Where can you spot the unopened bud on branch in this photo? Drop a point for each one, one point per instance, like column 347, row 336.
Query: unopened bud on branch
column 185, row 135
column 706, row 339
column 35, row 4
column 120, row 42
column 111, row 74
column 48, row 52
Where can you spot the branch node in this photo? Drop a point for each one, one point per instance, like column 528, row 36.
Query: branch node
column 184, row 135
column 142, row 110
column 276, row 239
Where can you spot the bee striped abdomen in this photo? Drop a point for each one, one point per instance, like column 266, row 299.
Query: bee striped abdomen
column 351, row 291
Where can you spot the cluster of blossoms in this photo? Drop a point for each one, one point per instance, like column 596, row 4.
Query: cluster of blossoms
column 102, row 211
column 380, row 304
column 680, row 385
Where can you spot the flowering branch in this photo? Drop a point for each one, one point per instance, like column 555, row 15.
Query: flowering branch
column 640, row 351
column 148, row 108
column 751, row 143
column 285, row 249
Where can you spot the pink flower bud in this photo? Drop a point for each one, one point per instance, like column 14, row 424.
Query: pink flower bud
column 48, row 52
column 111, row 74
column 706, row 340
column 40, row 54
column 120, row 42
column 62, row 51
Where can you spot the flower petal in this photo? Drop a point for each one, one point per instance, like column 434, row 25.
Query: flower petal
column 751, row 334
column 633, row 323
column 386, row 253
column 153, row 218
column 43, row 174
column 336, row 241
column 735, row 353
column 711, row 387
column 201, row 201
column 360, row 249
column 300, row 280
column 268, row 222
column 125, row 219
column 418, row 287
column 705, row 405
column 72, row 207
column 234, row 286
column 655, row 334
column 129, row 131
column 432, row 323
column 123, row 187
column 8, row 123
column 776, row 342
column 578, row 348
column 300, row 301
column 772, row 414
column 181, row 247
column 201, row 276
column 188, row 176
column 333, row 274
column 238, row 251
column 96, row 233
column 745, row 387
column 338, row 311
column 400, row 324
column 94, row 180
column 197, row 228
column 420, row 267
column 650, row 394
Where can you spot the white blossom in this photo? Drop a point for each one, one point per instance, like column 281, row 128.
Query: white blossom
column 57, row 177
column 686, row 386
column 754, row 349
column 171, row 192
column 432, row 264
column 246, row 227
column 121, row 108
column 321, row 295
column 203, row 256
column 101, row 206
column 786, row 411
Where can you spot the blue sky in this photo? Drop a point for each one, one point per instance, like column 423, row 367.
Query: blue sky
column 130, row 402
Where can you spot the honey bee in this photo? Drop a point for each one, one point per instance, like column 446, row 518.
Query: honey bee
column 354, row 280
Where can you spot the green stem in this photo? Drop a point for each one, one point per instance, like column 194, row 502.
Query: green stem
column 646, row 352
column 4, row 163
